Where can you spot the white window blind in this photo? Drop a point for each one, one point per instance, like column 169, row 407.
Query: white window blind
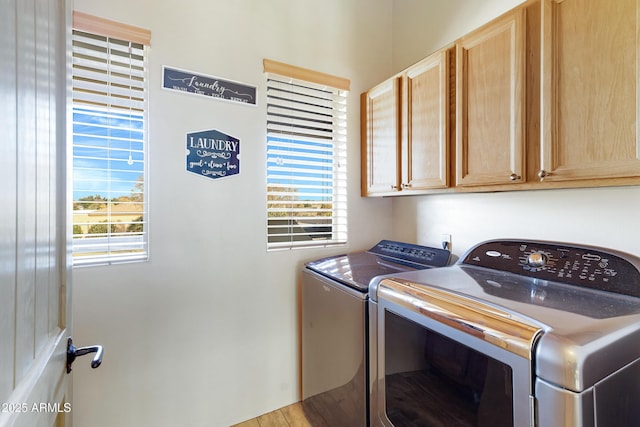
column 110, row 220
column 306, row 164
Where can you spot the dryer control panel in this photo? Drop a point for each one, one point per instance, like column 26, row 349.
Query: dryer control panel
column 585, row 266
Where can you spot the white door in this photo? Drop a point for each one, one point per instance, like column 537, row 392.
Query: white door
column 34, row 255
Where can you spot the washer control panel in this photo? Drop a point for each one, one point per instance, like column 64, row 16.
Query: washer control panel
column 407, row 253
column 585, row 266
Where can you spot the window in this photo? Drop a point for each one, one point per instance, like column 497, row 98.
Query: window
column 109, row 85
column 306, row 158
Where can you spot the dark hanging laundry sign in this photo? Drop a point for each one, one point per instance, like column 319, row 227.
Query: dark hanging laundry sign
column 213, row 87
column 213, row 154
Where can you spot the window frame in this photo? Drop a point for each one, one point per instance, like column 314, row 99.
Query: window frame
column 319, row 133
column 105, row 106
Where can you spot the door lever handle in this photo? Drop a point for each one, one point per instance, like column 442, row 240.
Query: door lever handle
column 73, row 352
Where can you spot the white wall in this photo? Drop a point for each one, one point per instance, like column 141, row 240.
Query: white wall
column 421, row 27
column 605, row 216
column 205, row 333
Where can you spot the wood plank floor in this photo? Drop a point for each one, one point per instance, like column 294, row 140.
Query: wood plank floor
column 289, row 416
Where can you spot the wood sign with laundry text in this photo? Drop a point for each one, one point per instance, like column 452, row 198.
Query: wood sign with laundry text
column 213, row 154
column 202, row 84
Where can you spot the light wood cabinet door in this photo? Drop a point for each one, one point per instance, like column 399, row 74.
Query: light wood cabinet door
column 380, row 149
column 590, row 74
column 425, row 124
column 490, row 97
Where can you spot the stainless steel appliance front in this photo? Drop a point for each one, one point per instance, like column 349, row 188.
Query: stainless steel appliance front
column 515, row 334
column 334, row 324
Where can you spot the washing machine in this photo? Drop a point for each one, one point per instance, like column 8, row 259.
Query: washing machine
column 334, row 327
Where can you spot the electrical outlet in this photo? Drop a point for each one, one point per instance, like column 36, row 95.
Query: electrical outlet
column 446, row 241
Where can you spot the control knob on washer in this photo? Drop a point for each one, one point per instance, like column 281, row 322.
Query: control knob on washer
column 536, row 259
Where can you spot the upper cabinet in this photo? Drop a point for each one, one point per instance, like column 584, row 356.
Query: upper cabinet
column 490, row 97
column 405, row 130
column 590, row 91
column 380, row 134
column 545, row 96
column 425, row 124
